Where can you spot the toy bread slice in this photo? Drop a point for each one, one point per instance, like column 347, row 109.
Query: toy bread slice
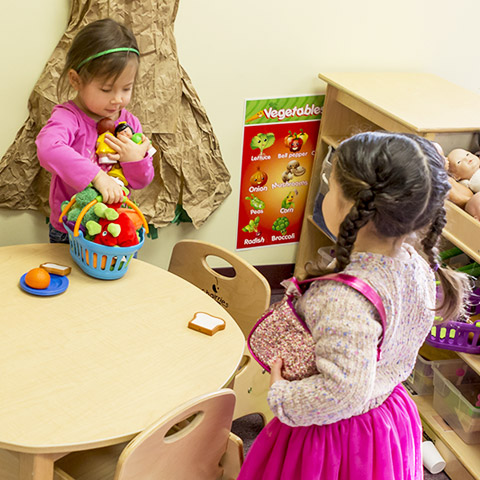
column 206, row 323
column 56, row 269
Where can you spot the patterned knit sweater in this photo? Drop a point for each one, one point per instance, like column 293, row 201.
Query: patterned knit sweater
column 346, row 328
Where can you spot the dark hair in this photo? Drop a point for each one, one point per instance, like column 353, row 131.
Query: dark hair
column 123, row 126
column 398, row 183
column 97, row 37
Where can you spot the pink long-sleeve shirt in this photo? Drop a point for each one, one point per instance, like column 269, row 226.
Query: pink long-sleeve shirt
column 66, row 148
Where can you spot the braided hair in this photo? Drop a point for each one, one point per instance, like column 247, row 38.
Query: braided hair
column 399, row 183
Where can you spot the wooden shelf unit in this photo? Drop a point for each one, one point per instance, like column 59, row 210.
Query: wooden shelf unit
column 428, row 106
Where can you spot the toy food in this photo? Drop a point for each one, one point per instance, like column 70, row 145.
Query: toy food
column 206, row 323
column 37, row 278
column 56, row 268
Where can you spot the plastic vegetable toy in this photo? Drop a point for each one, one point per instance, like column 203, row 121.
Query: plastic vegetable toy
column 112, row 228
column 76, row 205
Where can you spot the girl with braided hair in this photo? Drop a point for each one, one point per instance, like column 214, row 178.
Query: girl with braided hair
column 354, row 420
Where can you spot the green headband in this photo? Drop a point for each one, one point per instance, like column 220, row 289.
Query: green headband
column 106, row 52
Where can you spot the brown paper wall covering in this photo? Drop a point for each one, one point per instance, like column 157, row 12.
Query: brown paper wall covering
column 188, row 164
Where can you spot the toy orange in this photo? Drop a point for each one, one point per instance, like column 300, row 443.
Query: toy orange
column 37, row 278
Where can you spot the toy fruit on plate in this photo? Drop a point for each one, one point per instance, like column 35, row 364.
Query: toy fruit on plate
column 37, row 278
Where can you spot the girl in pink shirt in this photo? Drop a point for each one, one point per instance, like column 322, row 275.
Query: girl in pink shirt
column 101, row 67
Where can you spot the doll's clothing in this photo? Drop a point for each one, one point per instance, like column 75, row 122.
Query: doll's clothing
column 474, row 183
column 66, row 148
column 102, row 147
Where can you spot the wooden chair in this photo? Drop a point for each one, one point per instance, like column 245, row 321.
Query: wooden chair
column 245, row 296
column 192, row 442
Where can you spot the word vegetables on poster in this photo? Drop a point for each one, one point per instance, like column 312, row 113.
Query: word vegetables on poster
column 279, row 140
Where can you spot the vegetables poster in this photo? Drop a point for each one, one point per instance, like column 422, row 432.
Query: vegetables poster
column 279, row 140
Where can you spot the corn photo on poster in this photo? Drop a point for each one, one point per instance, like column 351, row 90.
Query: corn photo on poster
column 279, row 140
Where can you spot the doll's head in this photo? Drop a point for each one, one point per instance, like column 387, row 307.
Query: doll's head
column 462, row 164
column 105, row 125
column 123, row 128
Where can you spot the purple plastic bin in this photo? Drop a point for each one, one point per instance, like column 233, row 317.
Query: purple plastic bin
column 458, row 336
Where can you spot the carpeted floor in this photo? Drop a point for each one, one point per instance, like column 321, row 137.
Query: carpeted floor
column 248, row 427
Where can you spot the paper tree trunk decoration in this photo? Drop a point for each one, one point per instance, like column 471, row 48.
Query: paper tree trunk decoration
column 188, row 165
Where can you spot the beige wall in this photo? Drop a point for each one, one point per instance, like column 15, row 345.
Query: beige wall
column 236, row 50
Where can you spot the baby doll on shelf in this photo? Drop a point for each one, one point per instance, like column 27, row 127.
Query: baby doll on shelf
column 464, row 168
column 459, row 194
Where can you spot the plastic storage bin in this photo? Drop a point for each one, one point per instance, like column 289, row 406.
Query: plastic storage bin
column 456, row 391
column 421, row 378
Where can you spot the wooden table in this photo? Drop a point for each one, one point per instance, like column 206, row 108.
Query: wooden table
column 95, row 365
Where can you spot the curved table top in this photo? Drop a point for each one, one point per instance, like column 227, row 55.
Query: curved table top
column 98, row 363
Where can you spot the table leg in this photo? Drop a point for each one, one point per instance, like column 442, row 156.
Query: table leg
column 36, row 467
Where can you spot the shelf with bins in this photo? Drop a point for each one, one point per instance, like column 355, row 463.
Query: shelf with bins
column 463, row 460
column 421, row 104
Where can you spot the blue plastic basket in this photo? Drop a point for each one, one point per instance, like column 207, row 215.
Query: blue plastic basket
column 100, row 261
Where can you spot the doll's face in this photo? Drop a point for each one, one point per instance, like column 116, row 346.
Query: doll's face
column 126, row 132
column 462, row 164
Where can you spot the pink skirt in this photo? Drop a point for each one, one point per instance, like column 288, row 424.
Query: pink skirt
column 382, row 444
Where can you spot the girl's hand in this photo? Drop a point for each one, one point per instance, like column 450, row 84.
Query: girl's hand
column 108, row 187
column 276, row 371
column 127, row 150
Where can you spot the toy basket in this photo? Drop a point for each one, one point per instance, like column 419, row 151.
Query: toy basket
column 458, row 336
column 101, row 261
